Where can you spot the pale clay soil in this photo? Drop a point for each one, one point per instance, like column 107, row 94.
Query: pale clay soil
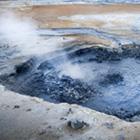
column 121, row 20
column 30, row 118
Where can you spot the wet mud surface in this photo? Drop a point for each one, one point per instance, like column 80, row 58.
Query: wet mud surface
column 107, row 80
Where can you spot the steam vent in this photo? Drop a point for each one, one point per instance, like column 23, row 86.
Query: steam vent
column 70, row 70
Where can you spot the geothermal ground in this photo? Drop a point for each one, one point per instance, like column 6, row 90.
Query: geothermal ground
column 81, row 54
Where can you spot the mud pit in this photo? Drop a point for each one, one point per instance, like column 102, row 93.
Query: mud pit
column 107, row 80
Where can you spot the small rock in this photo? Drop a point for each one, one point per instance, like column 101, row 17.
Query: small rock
column 42, row 132
column 109, row 125
column 28, row 110
column 24, row 67
column 120, row 137
column 50, row 127
column 77, row 124
column 62, row 118
column 70, row 111
column 91, row 138
column 16, row 106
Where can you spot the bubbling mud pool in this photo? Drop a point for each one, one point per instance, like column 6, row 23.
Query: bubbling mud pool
column 102, row 78
column 99, row 78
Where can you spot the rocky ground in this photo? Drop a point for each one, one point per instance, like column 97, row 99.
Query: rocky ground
column 78, row 54
column 93, row 77
column 28, row 118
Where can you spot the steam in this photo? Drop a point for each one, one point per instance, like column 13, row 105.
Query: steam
column 17, row 32
column 22, row 34
column 72, row 70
